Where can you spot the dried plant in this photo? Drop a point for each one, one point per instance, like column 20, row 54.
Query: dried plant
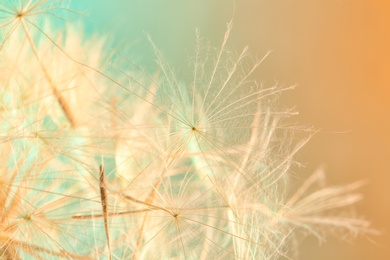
column 105, row 162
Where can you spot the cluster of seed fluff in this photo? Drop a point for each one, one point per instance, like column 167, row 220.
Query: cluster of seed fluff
column 103, row 162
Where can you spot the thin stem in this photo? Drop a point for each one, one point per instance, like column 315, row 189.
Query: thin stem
column 103, row 196
column 64, row 105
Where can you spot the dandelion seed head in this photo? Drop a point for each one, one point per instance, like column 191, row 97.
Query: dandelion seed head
column 197, row 166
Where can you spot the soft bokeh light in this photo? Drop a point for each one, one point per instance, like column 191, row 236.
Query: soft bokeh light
column 339, row 54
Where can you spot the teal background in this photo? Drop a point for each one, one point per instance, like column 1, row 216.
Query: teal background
column 170, row 24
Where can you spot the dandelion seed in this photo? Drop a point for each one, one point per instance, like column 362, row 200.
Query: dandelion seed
column 198, row 169
column 103, row 196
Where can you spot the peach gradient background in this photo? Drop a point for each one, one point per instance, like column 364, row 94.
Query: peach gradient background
column 339, row 54
column 338, row 51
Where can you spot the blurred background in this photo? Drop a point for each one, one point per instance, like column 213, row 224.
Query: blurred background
column 337, row 51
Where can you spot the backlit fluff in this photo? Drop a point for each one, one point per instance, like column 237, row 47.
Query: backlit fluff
column 111, row 162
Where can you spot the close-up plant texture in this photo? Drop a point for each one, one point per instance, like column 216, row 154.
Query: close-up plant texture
column 101, row 159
